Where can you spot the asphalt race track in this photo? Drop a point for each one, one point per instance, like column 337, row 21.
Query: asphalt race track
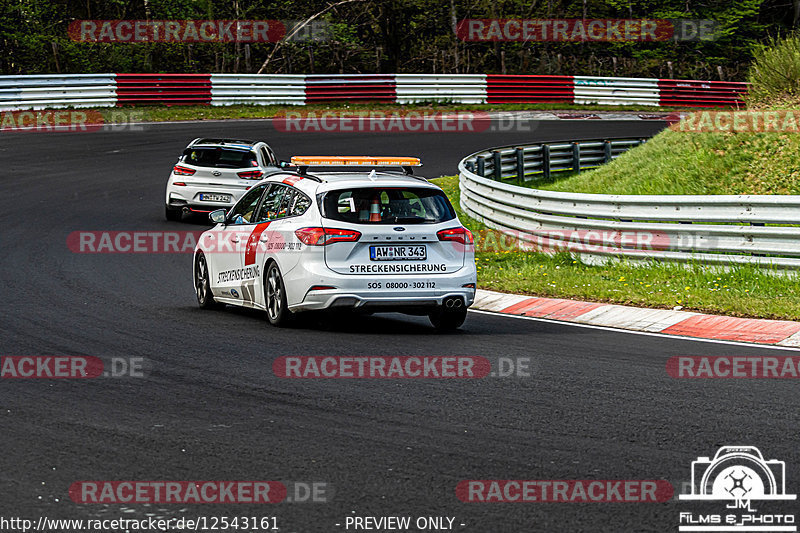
column 599, row 404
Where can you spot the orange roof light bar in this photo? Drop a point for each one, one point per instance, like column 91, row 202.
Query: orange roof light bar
column 355, row 160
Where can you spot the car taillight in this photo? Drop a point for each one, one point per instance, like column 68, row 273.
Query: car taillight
column 323, row 236
column 321, row 287
column 179, row 183
column 183, row 171
column 459, row 235
column 250, row 174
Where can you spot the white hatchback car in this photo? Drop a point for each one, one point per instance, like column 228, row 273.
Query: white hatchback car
column 366, row 240
column 214, row 173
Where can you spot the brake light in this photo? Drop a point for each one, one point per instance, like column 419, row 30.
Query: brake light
column 182, row 171
column 323, row 236
column 250, row 174
column 459, row 235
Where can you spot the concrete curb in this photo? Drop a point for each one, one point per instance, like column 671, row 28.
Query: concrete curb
column 679, row 323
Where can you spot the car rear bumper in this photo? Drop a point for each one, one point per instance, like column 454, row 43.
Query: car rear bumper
column 189, row 197
column 418, row 304
column 413, row 294
column 198, row 207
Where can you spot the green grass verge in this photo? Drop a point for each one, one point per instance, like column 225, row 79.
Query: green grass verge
column 774, row 74
column 676, row 162
column 740, row 291
column 173, row 113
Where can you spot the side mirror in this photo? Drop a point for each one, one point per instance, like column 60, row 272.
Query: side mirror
column 284, row 164
column 217, row 217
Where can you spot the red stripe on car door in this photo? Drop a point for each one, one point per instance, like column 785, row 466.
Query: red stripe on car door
column 252, row 243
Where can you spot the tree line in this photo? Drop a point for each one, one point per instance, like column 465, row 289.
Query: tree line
column 391, row 36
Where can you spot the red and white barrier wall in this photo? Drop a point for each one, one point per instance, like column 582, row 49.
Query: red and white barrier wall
column 178, row 89
column 105, row 90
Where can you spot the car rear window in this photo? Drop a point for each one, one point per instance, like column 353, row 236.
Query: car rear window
column 221, row 158
column 387, row 205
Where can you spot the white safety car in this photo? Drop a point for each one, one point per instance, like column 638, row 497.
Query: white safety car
column 375, row 239
column 214, row 173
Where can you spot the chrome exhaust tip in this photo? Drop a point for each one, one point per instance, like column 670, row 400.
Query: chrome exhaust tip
column 454, row 302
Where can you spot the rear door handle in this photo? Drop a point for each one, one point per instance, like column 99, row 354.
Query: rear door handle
column 234, row 239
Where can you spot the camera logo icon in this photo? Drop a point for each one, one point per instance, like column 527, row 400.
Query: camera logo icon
column 738, row 473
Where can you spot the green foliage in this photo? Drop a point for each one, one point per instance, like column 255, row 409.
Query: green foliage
column 389, row 36
column 775, row 73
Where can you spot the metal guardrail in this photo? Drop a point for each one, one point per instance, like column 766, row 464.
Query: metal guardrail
column 258, row 89
column 616, row 91
column 350, row 87
column 719, row 229
column 538, row 161
column 166, row 89
column 57, row 91
column 106, row 90
column 694, row 93
column 456, row 88
column 528, row 88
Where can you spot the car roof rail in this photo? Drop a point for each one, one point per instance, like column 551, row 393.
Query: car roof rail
column 382, row 174
column 302, row 171
column 311, row 177
column 407, row 172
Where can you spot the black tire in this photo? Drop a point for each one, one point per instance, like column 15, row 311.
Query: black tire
column 172, row 214
column 448, row 320
column 201, row 284
column 278, row 312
